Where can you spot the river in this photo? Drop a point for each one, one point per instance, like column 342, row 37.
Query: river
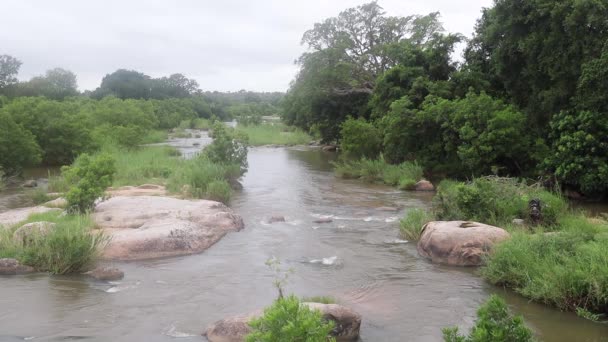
column 357, row 259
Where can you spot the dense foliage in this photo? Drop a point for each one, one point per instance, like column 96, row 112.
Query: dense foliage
column 88, row 178
column 494, row 323
column 287, row 319
column 513, row 107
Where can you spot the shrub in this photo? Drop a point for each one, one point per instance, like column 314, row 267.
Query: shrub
column 18, row 146
column 228, row 147
column 411, row 225
column 37, row 196
column 567, row 269
column 404, row 175
column 89, row 177
column 360, row 139
column 494, row 201
column 219, row 190
column 288, row 320
column 70, row 247
column 494, row 324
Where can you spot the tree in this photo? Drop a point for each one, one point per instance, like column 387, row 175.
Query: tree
column 176, row 85
column 360, row 139
column 124, row 84
column 56, row 84
column 18, row 147
column 531, row 52
column 9, row 68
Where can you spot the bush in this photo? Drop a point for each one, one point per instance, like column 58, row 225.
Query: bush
column 219, row 190
column 228, row 147
column 199, row 173
column 411, row 225
column 18, row 146
column 89, row 177
column 288, row 320
column 494, row 324
column 567, row 269
column 70, row 247
column 495, row 201
column 360, row 139
column 404, row 175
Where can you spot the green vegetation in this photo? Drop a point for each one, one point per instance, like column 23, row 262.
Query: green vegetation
column 494, row 324
column 88, row 178
column 288, row 320
column 37, row 196
column 411, row 226
column 404, row 175
column 319, row 299
column 496, row 201
column 70, row 247
column 390, row 86
column 274, row 134
column 567, row 269
column 228, row 147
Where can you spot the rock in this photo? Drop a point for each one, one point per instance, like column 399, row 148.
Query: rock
column 28, row 233
column 387, row 209
column 14, row 216
column 518, row 222
column 330, row 148
column 106, row 273
column 459, row 243
column 57, row 203
column 424, row 185
column 145, row 227
column 30, row 183
column 12, row 267
column 235, row 184
column 142, row 190
column 234, row 329
column 323, row 220
column 54, row 194
column 196, row 144
column 276, row 218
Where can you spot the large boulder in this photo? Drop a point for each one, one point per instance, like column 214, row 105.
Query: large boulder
column 56, row 203
column 13, row 216
column 459, row 243
column 234, row 329
column 424, row 185
column 28, row 233
column 12, row 266
column 146, row 227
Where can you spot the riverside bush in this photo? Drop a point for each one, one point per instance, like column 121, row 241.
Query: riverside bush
column 411, row 225
column 567, row 269
column 404, row 175
column 228, row 147
column 288, row 320
column 89, row 177
column 495, row 201
column 494, row 324
column 360, row 139
column 70, row 247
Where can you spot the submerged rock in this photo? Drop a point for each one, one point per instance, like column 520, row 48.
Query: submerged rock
column 145, row 227
column 323, row 220
column 458, row 243
column 276, row 218
column 234, row 329
column 424, row 185
column 387, row 209
column 30, row 183
column 14, row 216
column 28, row 233
column 10, row 266
column 106, row 273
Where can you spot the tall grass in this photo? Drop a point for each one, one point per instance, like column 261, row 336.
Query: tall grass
column 274, row 134
column 567, row 269
column 70, row 247
column 411, row 225
column 153, row 164
column 154, row 136
column 404, row 175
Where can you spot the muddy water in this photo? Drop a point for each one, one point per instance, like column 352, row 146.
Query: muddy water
column 357, row 258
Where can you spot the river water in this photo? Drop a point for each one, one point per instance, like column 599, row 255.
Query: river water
column 357, row 258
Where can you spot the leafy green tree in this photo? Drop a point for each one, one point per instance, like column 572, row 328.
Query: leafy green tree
column 9, row 68
column 494, row 324
column 56, row 84
column 89, row 177
column 174, row 86
column 360, row 139
column 124, row 84
column 18, row 147
column 288, row 320
column 228, row 147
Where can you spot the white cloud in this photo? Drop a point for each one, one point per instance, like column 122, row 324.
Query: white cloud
column 224, row 45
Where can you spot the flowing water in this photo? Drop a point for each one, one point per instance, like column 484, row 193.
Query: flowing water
column 358, row 258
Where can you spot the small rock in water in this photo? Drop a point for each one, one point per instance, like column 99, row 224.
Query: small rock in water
column 518, row 222
column 323, row 220
column 106, row 273
column 30, row 183
column 276, row 218
column 387, row 209
column 10, row 266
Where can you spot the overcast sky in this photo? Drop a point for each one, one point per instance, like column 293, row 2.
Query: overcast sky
column 225, row 45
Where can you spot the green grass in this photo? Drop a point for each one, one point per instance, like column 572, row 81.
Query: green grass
column 57, row 184
column 154, row 136
column 319, row 299
column 37, row 196
column 152, row 164
column 404, row 175
column 69, row 248
column 567, row 268
column 411, row 225
column 276, row 134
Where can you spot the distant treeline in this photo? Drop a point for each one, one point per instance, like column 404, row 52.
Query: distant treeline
column 47, row 120
column 529, row 99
